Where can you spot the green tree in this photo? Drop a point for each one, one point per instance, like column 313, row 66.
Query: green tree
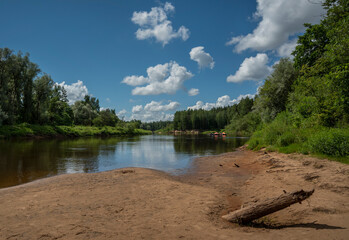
column 311, row 46
column 106, row 117
column 322, row 89
column 83, row 113
column 60, row 113
column 93, row 102
column 273, row 95
column 43, row 88
column 5, row 64
column 31, row 72
column 16, row 82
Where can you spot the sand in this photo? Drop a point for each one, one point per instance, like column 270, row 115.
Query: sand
column 136, row 203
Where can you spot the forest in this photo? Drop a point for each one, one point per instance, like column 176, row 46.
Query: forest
column 214, row 119
column 303, row 105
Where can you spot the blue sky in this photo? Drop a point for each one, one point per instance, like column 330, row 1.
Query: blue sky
column 106, row 48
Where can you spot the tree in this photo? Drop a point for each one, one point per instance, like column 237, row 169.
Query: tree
column 311, row 46
column 273, row 95
column 28, row 107
column 16, row 85
column 93, row 102
column 106, row 117
column 322, row 89
column 5, row 62
column 214, row 119
column 43, row 87
column 83, row 113
column 60, row 113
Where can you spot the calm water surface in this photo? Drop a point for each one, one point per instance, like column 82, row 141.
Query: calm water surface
column 23, row 161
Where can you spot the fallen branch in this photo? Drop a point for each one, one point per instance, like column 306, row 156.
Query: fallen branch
column 266, row 207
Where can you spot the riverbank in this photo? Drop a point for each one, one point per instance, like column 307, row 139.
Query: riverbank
column 137, row 203
column 36, row 131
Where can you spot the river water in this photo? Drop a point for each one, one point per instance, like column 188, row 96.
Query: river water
column 23, row 161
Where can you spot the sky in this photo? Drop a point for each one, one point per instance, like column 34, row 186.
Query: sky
column 149, row 59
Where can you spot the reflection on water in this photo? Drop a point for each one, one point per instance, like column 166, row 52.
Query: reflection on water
column 23, row 161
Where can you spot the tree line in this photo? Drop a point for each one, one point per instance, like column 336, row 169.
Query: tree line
column 29, row 95
column 216, row 118
column 157, row 125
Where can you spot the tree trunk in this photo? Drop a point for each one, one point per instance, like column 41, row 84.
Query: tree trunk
column 266, row 207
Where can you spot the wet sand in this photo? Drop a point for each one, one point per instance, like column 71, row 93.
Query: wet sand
column 136, row 203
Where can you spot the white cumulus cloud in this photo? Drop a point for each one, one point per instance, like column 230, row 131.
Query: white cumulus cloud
column 201, row 57
column 280, row 19
column 135, row 80
column 121, row 114
column 162, row 79
column 154, row 111
column 222, row 101
column 193, row 92
column 75, row 91
column 137, row 109
column 154, row 106
column 287, row 48
column 155, row 24
column 252, row 68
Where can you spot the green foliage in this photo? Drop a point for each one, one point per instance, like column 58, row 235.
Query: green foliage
column 281, row 132
column 165, row 126
column 93, row 102
column 274, row 133
column 3, row 116
column 333, row 142
column 282, row 135
column 256, row 141
column 60, row 113
column 32, row 130
column 106, row 117
column 244, row 126
column 286, row 139
column 216, row 118
column 167, row 129
column 311, row 46
column 16, row 78
column 42, row 91
column 83, row 113
column 273, row 95
column 135, row 123
column 26, row 130
column 322, row 89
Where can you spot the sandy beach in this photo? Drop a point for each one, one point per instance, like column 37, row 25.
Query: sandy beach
column 136, row 203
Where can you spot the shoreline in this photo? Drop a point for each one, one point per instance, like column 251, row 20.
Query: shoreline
column 32, row 131
column 138, row 203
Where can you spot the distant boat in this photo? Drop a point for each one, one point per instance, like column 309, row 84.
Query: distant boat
column 216, row 134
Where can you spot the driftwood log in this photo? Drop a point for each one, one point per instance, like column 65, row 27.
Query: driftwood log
column 250, row 213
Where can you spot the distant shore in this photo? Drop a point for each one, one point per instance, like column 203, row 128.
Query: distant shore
column 25, row 130
column 136, row 203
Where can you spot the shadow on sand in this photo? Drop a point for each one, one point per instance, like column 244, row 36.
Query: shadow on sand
column 313, row 225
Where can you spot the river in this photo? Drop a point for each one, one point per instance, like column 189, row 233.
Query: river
column 23, row 161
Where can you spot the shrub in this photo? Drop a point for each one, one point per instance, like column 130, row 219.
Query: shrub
column 333, row 142
column 286, row 139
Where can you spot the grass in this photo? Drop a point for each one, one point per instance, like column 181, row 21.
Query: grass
column 30, row 130
column 282, row 136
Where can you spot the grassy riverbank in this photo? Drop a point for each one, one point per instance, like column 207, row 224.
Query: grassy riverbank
column 283, row 136
column 30, row 130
